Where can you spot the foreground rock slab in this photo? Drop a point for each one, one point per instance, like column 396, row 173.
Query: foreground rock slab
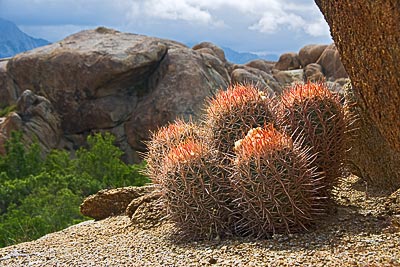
column 363, row 232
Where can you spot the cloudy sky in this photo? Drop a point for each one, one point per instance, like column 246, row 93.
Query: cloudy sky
column 272, row 26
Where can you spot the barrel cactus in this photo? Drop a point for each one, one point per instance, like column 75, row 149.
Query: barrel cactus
column 232, row 113
column 194, row 191
column 313, row 113
column 163, row 140
column 276, row 190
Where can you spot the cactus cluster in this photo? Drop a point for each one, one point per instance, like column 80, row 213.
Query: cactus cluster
column 256, row 165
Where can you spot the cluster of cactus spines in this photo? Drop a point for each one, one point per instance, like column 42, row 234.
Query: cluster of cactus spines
column 193, row 191
column 232, row 113
column 313, row 113
column 163, row 140
column 276, row 189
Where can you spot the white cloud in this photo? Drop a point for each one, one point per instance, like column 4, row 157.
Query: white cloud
column 272, row 22
column 271, row 15
column 317, row 28
column 173, row 10
column 269, row 24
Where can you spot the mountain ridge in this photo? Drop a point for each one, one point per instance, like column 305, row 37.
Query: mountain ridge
column 14, row 41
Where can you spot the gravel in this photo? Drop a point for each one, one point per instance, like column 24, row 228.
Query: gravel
column 363, row 229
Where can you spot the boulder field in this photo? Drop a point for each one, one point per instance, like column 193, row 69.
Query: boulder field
column 128, row 84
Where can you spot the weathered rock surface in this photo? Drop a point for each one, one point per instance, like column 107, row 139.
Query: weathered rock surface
column 147, row 211
column 288, row 61
column 264, row 80
column 7, row 94
column 112, row 202
column 310, row 54
column 124, row 83
column 261, row 64
column 331, row 64
column 289, row 77
column 313, row 72
column 37, row 119
column 216, row 51
column 370, row 157
column 367, row 36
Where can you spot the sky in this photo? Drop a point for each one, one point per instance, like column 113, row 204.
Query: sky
column 260, row 26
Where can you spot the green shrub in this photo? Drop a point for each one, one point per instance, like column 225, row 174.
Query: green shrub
column 20, row 161
column 42, row 195
column 7, row 110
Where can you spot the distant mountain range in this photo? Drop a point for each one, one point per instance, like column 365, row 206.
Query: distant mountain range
column 244, row 57
column 14, row 41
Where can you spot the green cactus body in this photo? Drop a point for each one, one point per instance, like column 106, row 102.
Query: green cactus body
column 232, row 113
column 276, row 190
column 312, row 113
column 193, row 191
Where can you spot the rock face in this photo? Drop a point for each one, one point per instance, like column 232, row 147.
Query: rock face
column 331, row 65
column 370, row 51
column 366, row 145
column 7, row 94
column 112, row 202
column 310, row 54
column 35, row 116
column 124, row 83
column 263, row 80
column 288, row 61
column 313, row 72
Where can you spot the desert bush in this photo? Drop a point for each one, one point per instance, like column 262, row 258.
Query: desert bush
column 42, row 195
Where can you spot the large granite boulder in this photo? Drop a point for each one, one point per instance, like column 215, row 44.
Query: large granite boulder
column 262, row 65
column 310, row 53
column 264, row 81
column 367, row 36
column 289, row 77
column 212, row 49
column 124, row 83
column 313, row 72
column 331, row 64
column 288, row 61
